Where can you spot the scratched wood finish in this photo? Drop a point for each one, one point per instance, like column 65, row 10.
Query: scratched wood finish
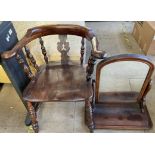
column 43, row 49
column 121, row 116
column 56, row 82
column 60, row 29
column 33, row 116
column 119, row 110
column 82, row 51
column 31, row 58
column 25, row 68
column 63, row 47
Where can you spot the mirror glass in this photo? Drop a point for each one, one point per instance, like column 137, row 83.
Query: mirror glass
column 123, row 76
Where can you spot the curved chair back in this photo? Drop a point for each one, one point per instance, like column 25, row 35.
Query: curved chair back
column 40, row 31
column 60, row 29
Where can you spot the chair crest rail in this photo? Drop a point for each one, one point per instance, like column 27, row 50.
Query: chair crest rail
column 60, row 29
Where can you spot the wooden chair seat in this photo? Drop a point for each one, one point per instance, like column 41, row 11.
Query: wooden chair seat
column 63, row 81
column 57, row 83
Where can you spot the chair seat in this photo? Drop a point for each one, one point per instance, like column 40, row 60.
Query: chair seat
column 58, row 83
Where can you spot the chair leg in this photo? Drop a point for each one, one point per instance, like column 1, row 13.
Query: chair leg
column 33, row 116
column 90, row 67
column 89, row 116
column 28, row 120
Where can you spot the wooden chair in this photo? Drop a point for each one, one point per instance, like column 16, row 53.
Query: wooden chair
column 64, row 81
column 119, row 110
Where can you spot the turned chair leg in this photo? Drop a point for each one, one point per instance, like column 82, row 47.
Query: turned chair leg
column 90, row 67
column 28, row 119
column 89, row 116
column 33, row 116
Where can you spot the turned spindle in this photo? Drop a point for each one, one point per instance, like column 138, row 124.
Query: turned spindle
column 89, row 115
column 90, row 67
column 33, row 116
column 31, row 58
column 26, row 69
column 82, row 50
column 43, row 50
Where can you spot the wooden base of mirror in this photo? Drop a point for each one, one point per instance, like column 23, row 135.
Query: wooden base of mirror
column 121, row 117
column 115, row 109
column 116, row 112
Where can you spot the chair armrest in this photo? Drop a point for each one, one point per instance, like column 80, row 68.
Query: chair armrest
column 99, row 54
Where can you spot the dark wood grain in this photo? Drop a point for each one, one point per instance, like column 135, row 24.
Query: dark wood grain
column 24, row 66
column 118, row 97
column 31, row 58
column 33, row 116
column 59, row 29
column 124, row 116
column 43, row 49
column 40, row 31
column 120, row 110
column 82, row 50
column 63, row 47
column 58, row 83
column 89, row 120
column 63, row 81
column 90, row 67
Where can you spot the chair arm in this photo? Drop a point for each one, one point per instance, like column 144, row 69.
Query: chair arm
column 99, row 54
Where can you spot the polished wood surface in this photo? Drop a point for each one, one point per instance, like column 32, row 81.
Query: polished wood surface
column 59, row 29
column 58, row 83
column 82, row 50
column 31, row 58
column 64, row 81
column 63, row 47
column 118, row 97
column 119, row 110
column 43, row 49
column 121, row 116
column 40, row 31
column 24, row 66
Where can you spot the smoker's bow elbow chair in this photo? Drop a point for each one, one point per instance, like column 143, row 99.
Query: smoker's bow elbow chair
column 63, row 81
